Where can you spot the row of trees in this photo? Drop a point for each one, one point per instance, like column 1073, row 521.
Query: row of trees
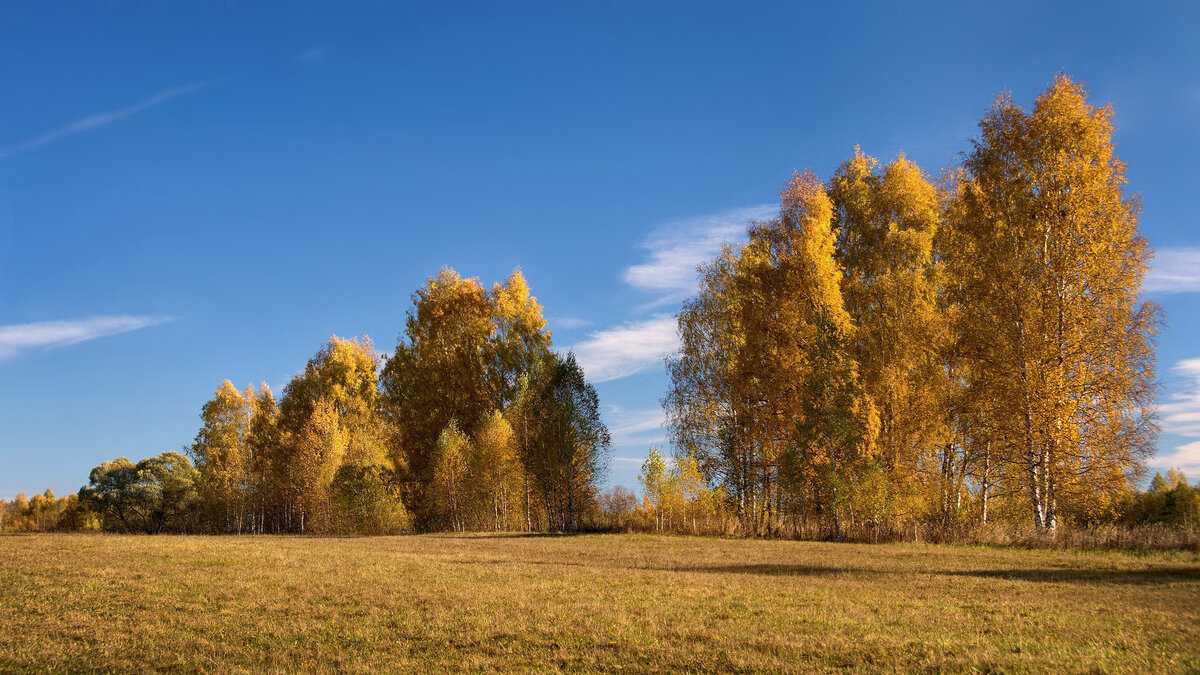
column 45, row 513
column 891, row 349
column 675, row 498
column 474, row 422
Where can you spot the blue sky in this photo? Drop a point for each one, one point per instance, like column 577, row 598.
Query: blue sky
column 193, row 192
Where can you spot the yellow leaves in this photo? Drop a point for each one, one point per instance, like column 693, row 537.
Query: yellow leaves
column 462, row 356
column 494, row 438
column 1047, row 263
column 512, row 304
column 321, row 444
column 888, row 220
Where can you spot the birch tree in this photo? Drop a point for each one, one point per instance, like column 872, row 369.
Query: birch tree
column 1049, row 266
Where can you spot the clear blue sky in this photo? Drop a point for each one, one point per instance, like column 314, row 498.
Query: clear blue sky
column 193, row 192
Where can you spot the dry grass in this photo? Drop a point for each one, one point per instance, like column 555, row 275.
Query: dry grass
column 600, row 602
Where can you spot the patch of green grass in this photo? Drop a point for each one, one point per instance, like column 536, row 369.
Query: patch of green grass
column 604, row 602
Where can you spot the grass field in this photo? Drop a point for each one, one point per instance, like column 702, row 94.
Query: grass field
column 605, row 602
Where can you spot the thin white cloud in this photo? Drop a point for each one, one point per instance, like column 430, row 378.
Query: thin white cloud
column 1181, row 417
column 17, row 338
column 627, row 349
column 1174, row 270
column 103, row 119
column 636, row 427
column 629, row 460
column 568, row 322
column 676, row 249
column 1185, row 457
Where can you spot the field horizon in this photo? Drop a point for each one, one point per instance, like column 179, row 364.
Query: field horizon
column 632, row 602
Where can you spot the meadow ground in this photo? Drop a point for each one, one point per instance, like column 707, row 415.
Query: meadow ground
column 598, row 602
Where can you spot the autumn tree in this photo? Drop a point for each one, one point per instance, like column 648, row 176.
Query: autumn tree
column 677, row 492
column 1048, row 265
column 448, row 493
column 267, row 462
column 368, row 499
column 439, row 371
column 462, row 356
column 495, row 475
column 520, row 341
column 617, row 506
column 765, row 371
column 328, row 419
column 221, row 455
column 699, row 503
column 886, row 220
column 656, row 485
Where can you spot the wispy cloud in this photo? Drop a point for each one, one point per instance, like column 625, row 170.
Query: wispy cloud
column 637, row 461
column 17, row 338
column 1174, row 270
column 1181, row 417
column 103, row 119
column 674, row 251
column 636, row 427
column 677, row 248
column 630, row 348
column 568, row 322
column 1185, row 457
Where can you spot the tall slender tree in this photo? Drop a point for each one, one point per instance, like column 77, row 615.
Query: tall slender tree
column 438, row 373
column 570, row 452
column 764, row 349
column 221, row 455
column 495, row 476
column 448, row 492
column 328, row 418
column 886, row 222
column 1049, row 265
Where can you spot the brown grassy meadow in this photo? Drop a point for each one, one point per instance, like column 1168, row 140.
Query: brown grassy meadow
column 634, row 603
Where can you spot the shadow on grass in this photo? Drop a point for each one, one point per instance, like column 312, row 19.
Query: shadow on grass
column 1065, row 575
column 507, row 535
column 772, row 570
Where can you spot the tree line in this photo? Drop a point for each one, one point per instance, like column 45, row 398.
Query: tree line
column 474, row 422
column 891, row 351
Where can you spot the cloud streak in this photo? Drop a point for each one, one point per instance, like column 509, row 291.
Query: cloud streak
column 673, row 252
column 1181, row 417
column 17, row 338
column 1174, row 270
column 568, row 322
column 103, row 119
column 630, row 348
column 676, row 249
column 636, row 427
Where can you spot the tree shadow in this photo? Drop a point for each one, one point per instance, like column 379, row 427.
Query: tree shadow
column 1173, row 574
column 771, row 570
column 508, row 535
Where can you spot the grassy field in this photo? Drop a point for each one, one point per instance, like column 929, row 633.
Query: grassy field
column 606, row 602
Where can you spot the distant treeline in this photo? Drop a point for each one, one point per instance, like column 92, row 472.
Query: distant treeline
column 891, row 354
column 474, row 422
